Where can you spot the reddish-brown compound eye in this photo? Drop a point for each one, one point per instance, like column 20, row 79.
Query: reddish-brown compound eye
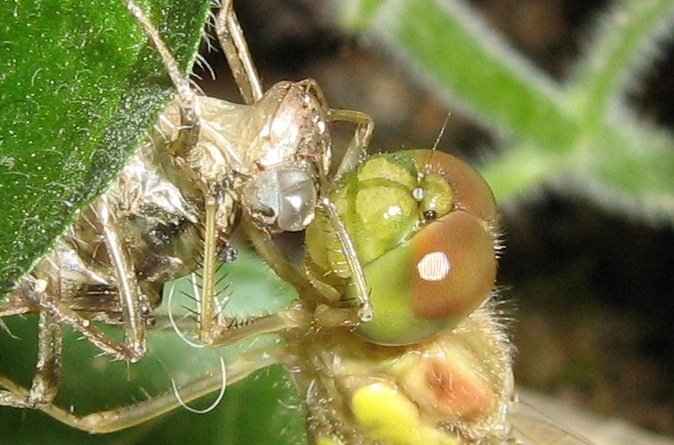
column 454, row 267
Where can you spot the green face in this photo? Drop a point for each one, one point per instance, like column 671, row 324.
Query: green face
column 423, row 223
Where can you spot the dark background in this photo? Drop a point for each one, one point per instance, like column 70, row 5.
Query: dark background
column 589, row 291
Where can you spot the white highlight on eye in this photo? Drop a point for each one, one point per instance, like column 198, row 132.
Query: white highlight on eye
column 434, row 266
column 295, row 201
column 392, row 212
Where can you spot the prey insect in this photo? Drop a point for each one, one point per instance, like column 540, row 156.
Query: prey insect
column 207, row 165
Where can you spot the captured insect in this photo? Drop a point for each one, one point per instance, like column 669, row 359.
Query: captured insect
column 207, row 164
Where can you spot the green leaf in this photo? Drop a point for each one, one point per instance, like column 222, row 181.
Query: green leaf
column 624, row 46
column 79, row 88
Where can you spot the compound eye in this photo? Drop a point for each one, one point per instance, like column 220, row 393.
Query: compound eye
column 431, row 282
column 446, row 269
column 282, row 199
column 297, row 199
column 454, row 267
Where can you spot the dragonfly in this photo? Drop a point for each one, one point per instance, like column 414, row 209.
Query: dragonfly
column 207, row 165
column 417, row 229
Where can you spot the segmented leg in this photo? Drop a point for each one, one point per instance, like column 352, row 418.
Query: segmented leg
column 207, row 297
column 189, row 134
column 317, row 292
column 236, row 51
column 134, row 304
column 359, row 143
column 361, row 137
column 52, row 315
column 182, row 85
column 128, row 416
column 132, row 301
column 48, row 368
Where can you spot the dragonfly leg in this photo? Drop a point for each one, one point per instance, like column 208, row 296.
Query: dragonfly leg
column 214, row 330
column 207, row 306
column 222, row 332
column 287, row 271
column 16, row 305
column 364, row 308
column 53, row 313
column 327, row 312
column 131, row 415
column 189, row 114
column 182, row 84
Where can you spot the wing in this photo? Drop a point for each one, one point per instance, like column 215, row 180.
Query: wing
column 530, row 427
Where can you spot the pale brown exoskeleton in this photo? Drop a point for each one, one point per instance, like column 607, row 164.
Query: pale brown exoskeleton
column 207, row 165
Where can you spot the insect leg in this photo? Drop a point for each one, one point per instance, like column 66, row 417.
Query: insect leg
column 64, row 315
column 181, row 83
column 131, row 415
column 238, row 55
column 189, row 134
column 48, row 368
column 357, row 147
column 360, row 141
column 207, row 297
column 16, row 305
column 361, row 138
column 127, row 284
column 212, row 331
column 364, row 308
column 53, row 313
column 287, row 271
column 317, row 292
column 50, row 347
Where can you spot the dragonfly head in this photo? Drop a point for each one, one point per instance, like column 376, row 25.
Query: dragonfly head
column 423, row 225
